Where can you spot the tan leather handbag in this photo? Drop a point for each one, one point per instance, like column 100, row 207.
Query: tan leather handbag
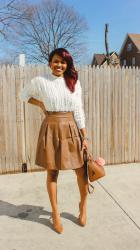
column 94, row 168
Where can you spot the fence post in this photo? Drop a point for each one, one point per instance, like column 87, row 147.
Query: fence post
column 22, row 60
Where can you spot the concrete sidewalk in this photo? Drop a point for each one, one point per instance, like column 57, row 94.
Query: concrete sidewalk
column 113, row 212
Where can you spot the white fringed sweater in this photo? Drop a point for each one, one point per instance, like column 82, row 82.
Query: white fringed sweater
column 56, row 96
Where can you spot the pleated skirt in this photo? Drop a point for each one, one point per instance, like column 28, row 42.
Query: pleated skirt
column 59, row 145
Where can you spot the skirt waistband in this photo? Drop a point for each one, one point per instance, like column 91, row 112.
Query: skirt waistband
column 59, row 113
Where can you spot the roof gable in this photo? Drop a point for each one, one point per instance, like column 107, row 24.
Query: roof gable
column 99, row 58
column 135, row 38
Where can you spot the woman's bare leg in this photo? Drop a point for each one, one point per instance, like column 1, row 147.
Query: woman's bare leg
column 52, row 176
column 83, row 188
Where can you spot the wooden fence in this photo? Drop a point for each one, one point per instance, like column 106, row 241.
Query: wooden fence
column 111, row 99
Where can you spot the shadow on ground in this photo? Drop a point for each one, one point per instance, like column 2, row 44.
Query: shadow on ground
column 31, row 213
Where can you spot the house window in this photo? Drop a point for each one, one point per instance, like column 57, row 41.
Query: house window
column 124, row 62
column 133, row 61
column 129, row 46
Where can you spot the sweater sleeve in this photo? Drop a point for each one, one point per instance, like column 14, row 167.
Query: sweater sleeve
column 78, row 112
column 30, row 90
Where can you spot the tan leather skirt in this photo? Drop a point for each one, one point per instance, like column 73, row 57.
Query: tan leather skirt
column 59, row 145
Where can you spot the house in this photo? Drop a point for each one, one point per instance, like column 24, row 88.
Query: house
column 130, row 50
column 101, row 59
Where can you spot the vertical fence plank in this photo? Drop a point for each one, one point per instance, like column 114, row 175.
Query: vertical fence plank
column 107, row 115
column 129, row 124
column 19, row 123
column 94, row 134
column 133, row 115
column 86, row 98
column 5, row 156
column 112, row 117
column 104, row 117
column 116, row 114
column 119, row 103
column 137, row 114
column 126, row 118
column 107, row 108
column 2, row 127
column 90, row 110
column 20, row 79
column 13, row 123
column 97, row 110
column 123, row 93
column 101, row 110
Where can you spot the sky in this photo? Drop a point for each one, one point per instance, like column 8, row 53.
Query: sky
column 123, row 16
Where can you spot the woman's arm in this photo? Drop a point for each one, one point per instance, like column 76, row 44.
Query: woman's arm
column 84, row 138
column 37, row 103
column 83, row 132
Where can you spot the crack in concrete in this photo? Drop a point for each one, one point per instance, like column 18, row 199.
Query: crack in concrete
column 138, row 227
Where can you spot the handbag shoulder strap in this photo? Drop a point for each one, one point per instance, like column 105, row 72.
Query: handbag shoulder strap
column 90, row 186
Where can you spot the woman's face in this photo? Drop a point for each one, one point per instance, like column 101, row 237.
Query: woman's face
column 58, row 65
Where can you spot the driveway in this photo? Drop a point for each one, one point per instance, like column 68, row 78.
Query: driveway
column 113, row 212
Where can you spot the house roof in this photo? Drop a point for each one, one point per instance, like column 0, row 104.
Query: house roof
column 101, row 58
column 135, row 39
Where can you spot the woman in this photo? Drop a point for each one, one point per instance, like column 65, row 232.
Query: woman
column 62, row 137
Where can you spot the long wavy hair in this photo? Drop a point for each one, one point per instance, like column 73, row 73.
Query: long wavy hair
column 70, row 75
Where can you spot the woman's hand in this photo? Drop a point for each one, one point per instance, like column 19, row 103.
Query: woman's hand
column 84, row 144
column 43, row 107
column 38, row 103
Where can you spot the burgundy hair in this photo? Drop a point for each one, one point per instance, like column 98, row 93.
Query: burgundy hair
column 70, row 75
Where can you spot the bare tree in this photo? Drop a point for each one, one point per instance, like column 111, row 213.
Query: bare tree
column 5, row 18
column 47, row 26
column 8, row 17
